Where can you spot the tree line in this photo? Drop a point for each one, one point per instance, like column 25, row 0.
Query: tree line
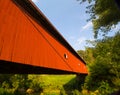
column 103, row 59
column 103, row 62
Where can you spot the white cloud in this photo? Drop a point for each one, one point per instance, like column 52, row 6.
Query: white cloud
column 87, row 26
column 81, row 40
column 80, row 43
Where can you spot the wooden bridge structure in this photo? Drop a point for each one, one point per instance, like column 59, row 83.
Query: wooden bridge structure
column 29, row 43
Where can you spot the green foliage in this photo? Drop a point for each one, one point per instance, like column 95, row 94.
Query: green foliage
column 104, row 73
column 87, row 55
column 105, row 88
column 98, row 73
column 6, row 91
column 36, row 83
column 75, row 92
column 62, row 91
column 19, row 81
column 104, row 14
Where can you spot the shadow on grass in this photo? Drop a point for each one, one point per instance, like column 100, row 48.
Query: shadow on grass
column 74, row 84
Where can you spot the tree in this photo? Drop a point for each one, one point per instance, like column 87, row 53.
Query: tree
column 104, row 14
column 87, row 55
column 115, row 58
column 106, row 66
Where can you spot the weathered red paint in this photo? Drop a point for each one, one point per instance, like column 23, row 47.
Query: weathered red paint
column 24, row 41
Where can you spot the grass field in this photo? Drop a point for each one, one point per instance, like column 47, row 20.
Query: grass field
column 53, row 84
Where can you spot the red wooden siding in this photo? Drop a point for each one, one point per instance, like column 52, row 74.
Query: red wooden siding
column 24, row 41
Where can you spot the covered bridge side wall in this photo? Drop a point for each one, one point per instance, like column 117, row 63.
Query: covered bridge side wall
column 24, row 41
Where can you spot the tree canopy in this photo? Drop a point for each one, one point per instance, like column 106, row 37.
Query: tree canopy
column 103, row 63
column 104, row 14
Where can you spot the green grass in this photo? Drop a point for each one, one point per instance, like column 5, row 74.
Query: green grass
column 57, row 79
column 54, row 83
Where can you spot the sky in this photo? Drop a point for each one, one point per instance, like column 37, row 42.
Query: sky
column 69, row 18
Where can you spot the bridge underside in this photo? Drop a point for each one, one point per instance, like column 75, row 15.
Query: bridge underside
column 7, row 67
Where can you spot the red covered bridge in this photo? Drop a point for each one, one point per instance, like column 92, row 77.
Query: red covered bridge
column 29, row 43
